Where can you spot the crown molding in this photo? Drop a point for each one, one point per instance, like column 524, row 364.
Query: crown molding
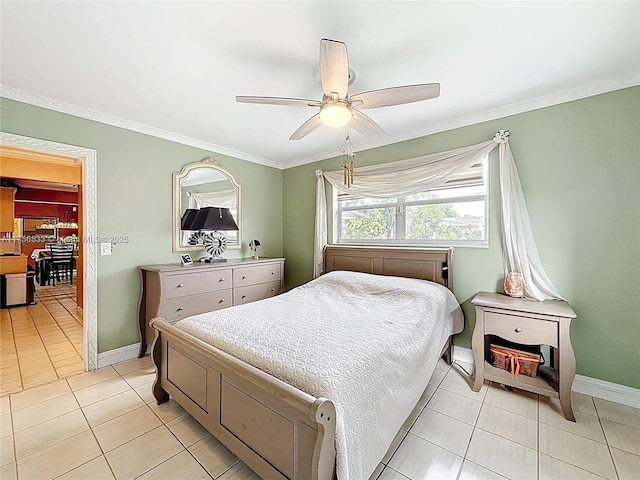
column 86, row 113
column 569, row 95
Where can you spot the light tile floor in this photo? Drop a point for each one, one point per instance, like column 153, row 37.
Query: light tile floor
column 105, row 424
column 42, row 342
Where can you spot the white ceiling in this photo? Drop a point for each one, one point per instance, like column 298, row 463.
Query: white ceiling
column 173, row 69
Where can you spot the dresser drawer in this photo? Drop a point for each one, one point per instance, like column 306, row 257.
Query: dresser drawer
column 256, row 274
column 521, row 329
column 193, row 283
column 251, row 293
column 178, row 308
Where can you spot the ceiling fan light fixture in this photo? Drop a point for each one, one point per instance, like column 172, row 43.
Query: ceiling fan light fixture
column 335, row 114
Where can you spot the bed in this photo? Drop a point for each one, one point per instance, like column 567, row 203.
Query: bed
column 336, row 377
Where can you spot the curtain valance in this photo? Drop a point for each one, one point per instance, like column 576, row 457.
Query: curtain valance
column 222, row 199
column 406, row 177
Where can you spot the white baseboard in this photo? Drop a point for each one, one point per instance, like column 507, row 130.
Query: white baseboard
column 586, row 385
column 118, row 355
column 607, row 391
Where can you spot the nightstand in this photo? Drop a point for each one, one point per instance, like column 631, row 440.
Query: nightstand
column 526, row 322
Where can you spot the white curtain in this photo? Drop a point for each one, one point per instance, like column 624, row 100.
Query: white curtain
column 222, row 199
column 519, row 250
column 406, row 177
column 320, row 237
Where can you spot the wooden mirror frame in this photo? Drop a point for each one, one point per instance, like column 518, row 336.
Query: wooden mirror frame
column 207, row 163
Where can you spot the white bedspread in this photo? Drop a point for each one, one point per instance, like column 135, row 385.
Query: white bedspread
column 368, row 343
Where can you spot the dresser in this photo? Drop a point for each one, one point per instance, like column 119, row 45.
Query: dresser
column 526, row 322
column 174, row 292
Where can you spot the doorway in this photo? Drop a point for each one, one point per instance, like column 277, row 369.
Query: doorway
column 43, row 340
column 29, row 149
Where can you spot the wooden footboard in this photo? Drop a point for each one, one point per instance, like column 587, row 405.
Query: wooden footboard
column 277, row 430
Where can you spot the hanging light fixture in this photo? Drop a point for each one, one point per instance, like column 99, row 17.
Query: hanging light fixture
column 335, row 113
column 347, row 164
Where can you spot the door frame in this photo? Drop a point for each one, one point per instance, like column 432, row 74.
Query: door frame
column 88, row 157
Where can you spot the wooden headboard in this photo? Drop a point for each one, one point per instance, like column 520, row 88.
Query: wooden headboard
column 433, row 264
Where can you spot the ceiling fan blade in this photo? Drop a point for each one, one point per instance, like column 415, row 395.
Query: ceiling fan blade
column 291, row 102
column 334, row 68
column 364, row 124
column 307, row 127
column 396, row 95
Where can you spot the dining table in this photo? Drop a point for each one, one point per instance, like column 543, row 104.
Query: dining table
column 42, row 257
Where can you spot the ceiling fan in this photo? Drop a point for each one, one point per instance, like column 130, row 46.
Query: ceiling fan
column 337, row 108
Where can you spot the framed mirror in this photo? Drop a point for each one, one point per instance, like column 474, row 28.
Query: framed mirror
column 204, row 184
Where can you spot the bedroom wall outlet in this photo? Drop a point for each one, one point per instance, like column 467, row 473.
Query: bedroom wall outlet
column 105, row 248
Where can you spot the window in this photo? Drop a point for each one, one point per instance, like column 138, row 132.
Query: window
column 453, row 214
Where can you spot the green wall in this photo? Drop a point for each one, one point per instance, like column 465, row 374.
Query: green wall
column 134, row 198
column 579, row 164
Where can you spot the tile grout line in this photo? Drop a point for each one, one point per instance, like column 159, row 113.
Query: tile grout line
column 62, row 328
column 163, row 424
column 15, row 346
column 91, row 427
column 539, row 453
column 606, row 440
column 43, row 343
column 52, row 316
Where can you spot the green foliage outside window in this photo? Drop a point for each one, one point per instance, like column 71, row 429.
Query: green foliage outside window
column 439, row 221
column 376, row 224
column 431, row 222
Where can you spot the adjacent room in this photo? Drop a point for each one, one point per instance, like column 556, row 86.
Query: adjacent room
column 42, row 327
column 320, row 240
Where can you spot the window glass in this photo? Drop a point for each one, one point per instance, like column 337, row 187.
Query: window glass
column 370, row 224
column 454, row 214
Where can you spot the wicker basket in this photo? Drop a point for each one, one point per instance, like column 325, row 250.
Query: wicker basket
column 517, row 362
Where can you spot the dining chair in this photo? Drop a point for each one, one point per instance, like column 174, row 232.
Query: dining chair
column 61, row 262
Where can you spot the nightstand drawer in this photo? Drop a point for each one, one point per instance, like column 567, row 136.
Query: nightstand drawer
column 521, row 329
column 256, row 274
column 183, row 307
column 251, row 293
column 193, row 283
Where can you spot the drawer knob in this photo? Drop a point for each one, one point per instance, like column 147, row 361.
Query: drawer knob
column 244, row 296
column 180, row 285
column 518, row 330
column 221, row 300
column 273, row 289
column 244, row 276
column 273, row 273
column 180, row 309
column 221, row 280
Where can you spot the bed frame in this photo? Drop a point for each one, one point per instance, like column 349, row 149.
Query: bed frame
column 246, row 409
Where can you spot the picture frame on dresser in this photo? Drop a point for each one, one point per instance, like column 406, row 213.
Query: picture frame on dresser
column 185, row 260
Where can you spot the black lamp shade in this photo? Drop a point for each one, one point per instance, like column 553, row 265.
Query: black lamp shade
column 189, row 215
column 214, row 218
